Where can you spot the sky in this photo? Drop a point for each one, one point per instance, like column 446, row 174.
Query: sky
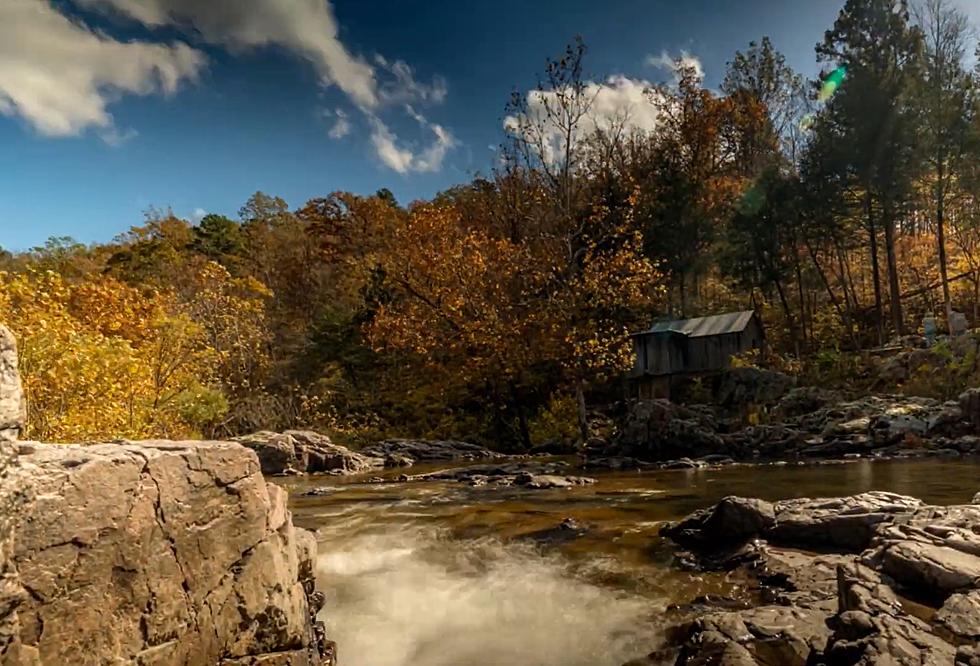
column 112, row 108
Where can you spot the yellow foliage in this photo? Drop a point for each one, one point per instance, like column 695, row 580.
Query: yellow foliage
column 103, row 360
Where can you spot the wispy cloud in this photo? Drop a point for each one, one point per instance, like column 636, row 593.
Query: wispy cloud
column 341, row 125
column 674, row 64
column 404, row 159
column 309, row 29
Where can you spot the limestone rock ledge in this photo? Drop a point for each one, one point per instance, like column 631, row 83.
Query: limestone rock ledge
column 160, row 553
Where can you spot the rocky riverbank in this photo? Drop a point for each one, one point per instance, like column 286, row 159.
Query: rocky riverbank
column 148, row 553
column 807, row 423
column 875, row 578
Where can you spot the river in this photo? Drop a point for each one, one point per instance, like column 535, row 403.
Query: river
column 443, row 574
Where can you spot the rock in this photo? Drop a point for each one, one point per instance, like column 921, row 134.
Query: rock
column 930, row 569
column 968, row 655
column 661, row 430
column 731, row 521
column 13, row 496
column 162, row 553
column 545, row 481
column 872, row 629
column 960, row 615
column 751, row 386
column 894, row 369
column 277, row 452
column 845, row 523
column 305, row 452
column 568, row 530
column 617, row 463
column 969, row 402
column 764, row 636
column 804, row 400
column 396, row 452
column 325, row 456
column 12, row 414
column 683, row 463
column 498, row 474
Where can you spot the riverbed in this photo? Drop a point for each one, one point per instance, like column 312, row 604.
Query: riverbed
column 444, row 574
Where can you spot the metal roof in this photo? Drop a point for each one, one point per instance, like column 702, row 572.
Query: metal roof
column 699, row 327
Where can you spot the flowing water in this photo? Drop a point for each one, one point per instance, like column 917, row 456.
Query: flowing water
column 443, row 574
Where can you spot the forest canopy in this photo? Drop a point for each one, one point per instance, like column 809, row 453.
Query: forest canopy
column 501, row 308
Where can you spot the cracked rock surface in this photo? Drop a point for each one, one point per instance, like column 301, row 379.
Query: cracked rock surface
column 161, row 552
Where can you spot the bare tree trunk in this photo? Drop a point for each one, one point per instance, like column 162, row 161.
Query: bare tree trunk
column 842, row 313
column 583, row 415
column 876, row 278
column 894, row 288
column 941, row 240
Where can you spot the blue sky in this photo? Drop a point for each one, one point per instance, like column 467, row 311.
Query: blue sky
column 116, row 106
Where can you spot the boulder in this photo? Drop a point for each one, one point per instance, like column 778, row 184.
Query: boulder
column 930, row 569
column 325, row 456
column 276, row 452
column 545, row 481
column 405, row 452
column 872, row 629
column 960, row 615
column 13, row 497
column 804, row 400
column 969, row 402
column 751, row 386
column 12, row 415
column 662, row 430
column 763, row 636
column 843, row 523
column 731, row 521
column 305, row 452
column 162, row 553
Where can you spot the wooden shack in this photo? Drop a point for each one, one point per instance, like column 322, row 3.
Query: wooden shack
column 690, row 347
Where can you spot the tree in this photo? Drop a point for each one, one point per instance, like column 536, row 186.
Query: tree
column 103, row 360
column 761, row 73
column 689, row 180
column 947, row 99
column 218, row 238
column 881, row 51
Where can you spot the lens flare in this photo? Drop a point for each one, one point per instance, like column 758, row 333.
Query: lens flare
column 831, row 83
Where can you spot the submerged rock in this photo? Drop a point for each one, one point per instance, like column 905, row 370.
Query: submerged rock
column 162, row 553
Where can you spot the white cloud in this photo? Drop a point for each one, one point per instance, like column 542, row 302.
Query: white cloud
column 305, row 27
column 673, row 64
column 618, row 102
column 405, row 160
column 60, row 76
column 198, row 215
column 341, row 124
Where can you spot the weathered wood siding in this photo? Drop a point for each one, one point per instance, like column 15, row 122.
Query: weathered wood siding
column 666, row 353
